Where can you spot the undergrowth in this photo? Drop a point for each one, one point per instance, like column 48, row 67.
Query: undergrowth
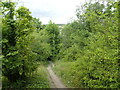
column 63, row 70
column 75, row 75
column 38, row 79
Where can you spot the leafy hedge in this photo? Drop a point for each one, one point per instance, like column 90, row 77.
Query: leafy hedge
column 91, row 43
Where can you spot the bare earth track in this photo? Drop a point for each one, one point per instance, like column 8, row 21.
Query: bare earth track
column 54, row 80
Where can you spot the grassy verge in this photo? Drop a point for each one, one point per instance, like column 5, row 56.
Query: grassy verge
column 38, row 79
column 65, row 71
column 81, row 75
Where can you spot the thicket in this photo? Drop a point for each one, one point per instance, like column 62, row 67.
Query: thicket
column 91, row 43
column 25, row 43
column 87, row 46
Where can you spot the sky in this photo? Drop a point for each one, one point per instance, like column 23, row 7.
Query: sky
column 59, row 11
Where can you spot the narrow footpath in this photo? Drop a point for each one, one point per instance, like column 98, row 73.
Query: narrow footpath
column 54, row 80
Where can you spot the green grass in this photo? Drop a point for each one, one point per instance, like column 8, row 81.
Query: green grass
column 75, row 74
column 65, row 71
column 39, row 79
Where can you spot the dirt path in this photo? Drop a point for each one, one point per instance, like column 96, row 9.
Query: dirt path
column 54, row 80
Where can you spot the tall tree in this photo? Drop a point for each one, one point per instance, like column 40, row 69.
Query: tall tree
column 18, row 60
column 53, row 32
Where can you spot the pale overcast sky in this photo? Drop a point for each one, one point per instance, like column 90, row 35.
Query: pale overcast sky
column 59, row 11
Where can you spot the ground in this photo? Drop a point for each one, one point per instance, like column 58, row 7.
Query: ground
column 55, row 82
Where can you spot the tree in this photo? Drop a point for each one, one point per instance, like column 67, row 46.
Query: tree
column 18, row 60
column 53, row 33
column 92, row 43
column 40, row 45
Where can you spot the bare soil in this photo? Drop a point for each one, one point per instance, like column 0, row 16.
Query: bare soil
column 54, row 80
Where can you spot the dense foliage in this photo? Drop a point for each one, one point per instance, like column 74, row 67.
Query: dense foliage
column 19, row 31
column 91, row 43
column 53, row 39
column 17, row 56
column 86, row 50
column 25, row 43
